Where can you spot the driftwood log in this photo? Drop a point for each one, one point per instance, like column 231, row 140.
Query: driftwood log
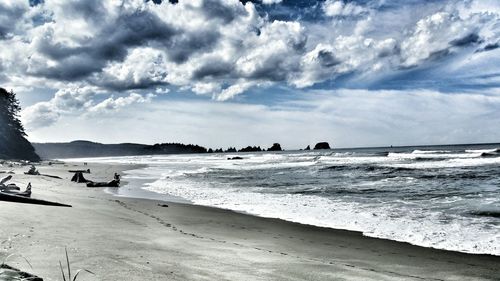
column 113, row 183
column 11, row 273
column 26, row 200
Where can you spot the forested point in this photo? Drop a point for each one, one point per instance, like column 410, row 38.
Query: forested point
column 13, row 142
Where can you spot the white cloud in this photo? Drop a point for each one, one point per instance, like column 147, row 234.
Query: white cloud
column 333, row 8
column 434, row 34
column 269, row 2
column 141, row 67
column 75, row 100
column 39, row 115
column 113, row 104
column 94, row 54
column 162, row 91
column 206, row 88
column 234, row 90
column 274, row 54
column 345, row 118
column 65, row 101
column 208, row 45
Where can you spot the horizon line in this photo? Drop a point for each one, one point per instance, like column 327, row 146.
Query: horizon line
column 332, row 148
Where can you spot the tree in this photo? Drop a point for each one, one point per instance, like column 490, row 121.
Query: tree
column 10, row 111
column 13, row 144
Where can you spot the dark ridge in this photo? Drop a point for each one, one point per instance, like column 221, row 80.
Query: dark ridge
column 77, row 149
column 250, row 149
column 171, row 148
column 81, row 149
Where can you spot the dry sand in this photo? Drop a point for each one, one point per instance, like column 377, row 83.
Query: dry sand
column 137, row 239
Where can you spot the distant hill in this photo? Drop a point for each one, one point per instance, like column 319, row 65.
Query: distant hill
column 79, row 149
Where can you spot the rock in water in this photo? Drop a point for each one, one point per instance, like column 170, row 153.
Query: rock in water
column 322, row 145
column 275, row 147
column 235, row 158
column 308, row 148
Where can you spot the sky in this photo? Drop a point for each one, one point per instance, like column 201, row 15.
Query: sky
column 222, row 73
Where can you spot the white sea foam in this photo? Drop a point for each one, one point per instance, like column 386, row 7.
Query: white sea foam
column 417, row 151
column 414, row 155
column 435, row 222
column 407, row 223
column 451, row 163
column 483, row 150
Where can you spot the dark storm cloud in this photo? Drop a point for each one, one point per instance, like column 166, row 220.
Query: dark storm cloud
column 215, row 9
column 145, row 44
column 186, row 44
column 274, row 69
column 114, row 40
column 213, row 68
column 437, row 55
column 70, row 69
column 327, row 59
column 110, row 44
column 158, row 2
column 304, row 10
column 91, row 10
column 467, row 40
column 10, row 15
column 120, row 86
column 489, row 47
column 35, row 2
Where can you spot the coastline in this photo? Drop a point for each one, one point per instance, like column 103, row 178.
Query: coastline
column 120, row 237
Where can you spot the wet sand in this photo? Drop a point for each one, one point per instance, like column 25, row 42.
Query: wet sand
column 138, row 239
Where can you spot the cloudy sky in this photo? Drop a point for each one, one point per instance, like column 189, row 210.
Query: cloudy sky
column 230, row 72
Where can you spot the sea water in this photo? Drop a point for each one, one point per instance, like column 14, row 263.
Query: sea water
column 445, row 197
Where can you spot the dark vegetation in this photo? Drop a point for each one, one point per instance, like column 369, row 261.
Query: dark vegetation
column 93, row 149
column 13, row 142
column 78, row 149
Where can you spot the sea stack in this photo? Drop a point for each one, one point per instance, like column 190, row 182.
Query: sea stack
column 308, row 147
column 322, row 145
column 275, row 147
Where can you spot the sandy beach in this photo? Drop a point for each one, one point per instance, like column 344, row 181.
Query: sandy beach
column 121, row 238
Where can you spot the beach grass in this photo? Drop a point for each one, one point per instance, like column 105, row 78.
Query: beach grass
column 68, row 268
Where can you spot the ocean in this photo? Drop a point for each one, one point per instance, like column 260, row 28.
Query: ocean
column 445, row 197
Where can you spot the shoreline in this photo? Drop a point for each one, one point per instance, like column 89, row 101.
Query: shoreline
column 138, row 239
column 298, row 224
column 173, row 199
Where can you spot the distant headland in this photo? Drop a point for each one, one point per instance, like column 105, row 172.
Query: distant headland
column 80, row 148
